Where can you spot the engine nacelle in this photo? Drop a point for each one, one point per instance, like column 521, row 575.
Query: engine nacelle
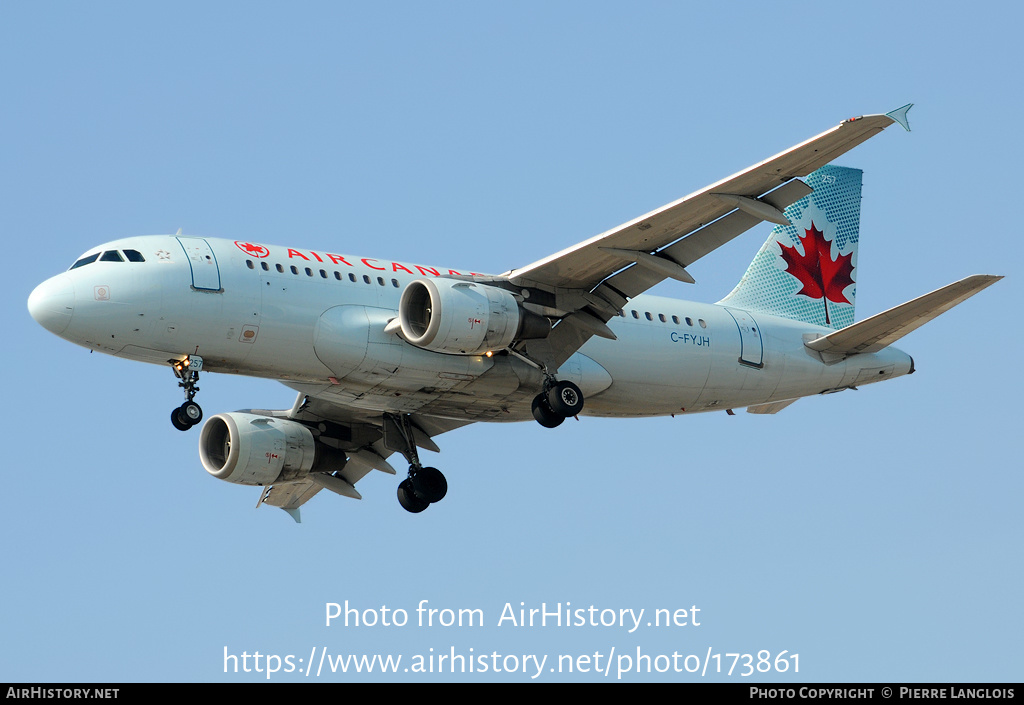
column 464, row 318
column 259, row 450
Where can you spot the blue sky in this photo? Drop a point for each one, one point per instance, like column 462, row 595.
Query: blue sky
column 875, row 533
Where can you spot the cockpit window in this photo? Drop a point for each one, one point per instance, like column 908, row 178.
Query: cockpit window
column 85, row 260
column 110, row 256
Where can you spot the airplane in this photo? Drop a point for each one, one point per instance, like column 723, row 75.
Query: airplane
column 386, row 355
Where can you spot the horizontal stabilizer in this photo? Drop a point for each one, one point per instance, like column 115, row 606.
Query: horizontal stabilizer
column 883, row 329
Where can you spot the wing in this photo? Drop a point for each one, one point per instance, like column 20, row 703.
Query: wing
column 586, row 285
column 360, row 434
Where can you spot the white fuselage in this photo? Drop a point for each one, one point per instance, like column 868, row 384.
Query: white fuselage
column 316, row 321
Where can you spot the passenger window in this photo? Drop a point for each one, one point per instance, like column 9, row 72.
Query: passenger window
column 337, row 275
column 635, row 314
column 134, row 256
column 366, row 279
column 280, row 269
column 323, row 273
column 689, row 321
column 111, row 256
column 661, row 317
column 85, row 260
column 309, row 272
column 266, row 267
column 351, row 277
column 394, row 283
column 648, row 314
column 702, row 323
column 675, row 319
column 249, row 264
column 295, row 270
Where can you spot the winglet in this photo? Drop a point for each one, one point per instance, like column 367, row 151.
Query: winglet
column 900, row 115
column 294, row 514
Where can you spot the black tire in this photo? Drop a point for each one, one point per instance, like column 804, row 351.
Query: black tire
column 408, row 499
column 190, row 413
column 543, row 413
column 565, row 398
column 429, row 484
column 176, row 422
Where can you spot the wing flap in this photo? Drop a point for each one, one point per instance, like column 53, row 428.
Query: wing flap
column 289, row 496
column 772, row 407
column 884, row 329
column 337, row 485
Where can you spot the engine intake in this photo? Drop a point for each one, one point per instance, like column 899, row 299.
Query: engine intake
column 465, row 318
column 249, row 449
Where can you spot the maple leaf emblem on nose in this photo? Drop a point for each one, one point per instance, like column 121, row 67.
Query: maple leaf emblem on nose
column 820, row 276
column 250, row 249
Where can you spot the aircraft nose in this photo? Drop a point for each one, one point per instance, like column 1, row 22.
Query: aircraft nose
column 52, row 303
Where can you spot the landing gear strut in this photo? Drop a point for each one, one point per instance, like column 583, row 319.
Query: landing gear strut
column 557, row 402
column 424, row 485
column 190, row 413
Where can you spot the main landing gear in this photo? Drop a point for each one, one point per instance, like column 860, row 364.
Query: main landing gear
column 424, row 485
column 188, row 414
column 557, row 402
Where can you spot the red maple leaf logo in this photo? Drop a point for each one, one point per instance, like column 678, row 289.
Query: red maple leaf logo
column 250, row 249
column 821, row 277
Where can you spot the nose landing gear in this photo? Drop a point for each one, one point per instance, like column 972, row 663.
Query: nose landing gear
column 190, row 413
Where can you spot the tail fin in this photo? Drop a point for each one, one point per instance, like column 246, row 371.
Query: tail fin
column 807, row 270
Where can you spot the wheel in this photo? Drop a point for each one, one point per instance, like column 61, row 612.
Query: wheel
column 177, row 423
column 190, row 413
column 429, row 484
column 409, row 501
column 543, row 413
column 565, row 398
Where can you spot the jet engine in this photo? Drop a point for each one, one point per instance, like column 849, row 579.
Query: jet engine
column 257, row 450
column 464, row 318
